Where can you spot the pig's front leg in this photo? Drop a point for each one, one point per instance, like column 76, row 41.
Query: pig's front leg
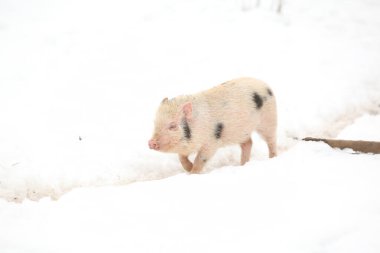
column 201, row 159
column 186, row 164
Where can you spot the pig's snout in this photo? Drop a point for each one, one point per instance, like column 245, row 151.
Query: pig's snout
column 153, row 144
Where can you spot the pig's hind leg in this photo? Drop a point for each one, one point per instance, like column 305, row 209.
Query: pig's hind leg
column 269, row 136
column 186, row 164
column 268, row 127
column 246, row 151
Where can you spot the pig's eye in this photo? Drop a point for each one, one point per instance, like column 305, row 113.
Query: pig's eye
column 173, row 126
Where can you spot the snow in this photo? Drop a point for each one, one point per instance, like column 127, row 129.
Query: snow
column 310, row 199
column 364, row 128
column 79, row 85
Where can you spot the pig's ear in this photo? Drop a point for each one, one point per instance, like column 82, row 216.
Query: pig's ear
column 187, row 109
column 164, row 100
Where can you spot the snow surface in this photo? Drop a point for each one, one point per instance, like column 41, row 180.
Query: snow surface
column 79, row 85
column 366, row 128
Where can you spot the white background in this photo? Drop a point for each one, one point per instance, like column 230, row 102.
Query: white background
column 79, row 85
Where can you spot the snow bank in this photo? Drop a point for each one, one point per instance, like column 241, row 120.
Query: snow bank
column 81, row 80
column 364, row 128
column 79, row 85
column 309, row 199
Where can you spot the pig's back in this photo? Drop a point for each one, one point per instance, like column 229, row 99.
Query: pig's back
column 236, row 108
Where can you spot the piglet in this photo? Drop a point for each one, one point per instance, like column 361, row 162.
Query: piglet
column 224, row 115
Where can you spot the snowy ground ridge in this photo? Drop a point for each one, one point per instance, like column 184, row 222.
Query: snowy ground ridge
column 34, row 190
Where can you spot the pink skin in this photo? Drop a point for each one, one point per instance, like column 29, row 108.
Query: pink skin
column 187, row 124
column 153, row 144
column 163, row 139
column 161, row 143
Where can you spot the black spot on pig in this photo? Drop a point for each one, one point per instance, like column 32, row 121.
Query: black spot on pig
column 218, row 130
column 186, row 129
column 270, row 93
column 258, row 100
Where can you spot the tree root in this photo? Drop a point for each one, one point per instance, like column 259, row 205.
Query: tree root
column 358, row 146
